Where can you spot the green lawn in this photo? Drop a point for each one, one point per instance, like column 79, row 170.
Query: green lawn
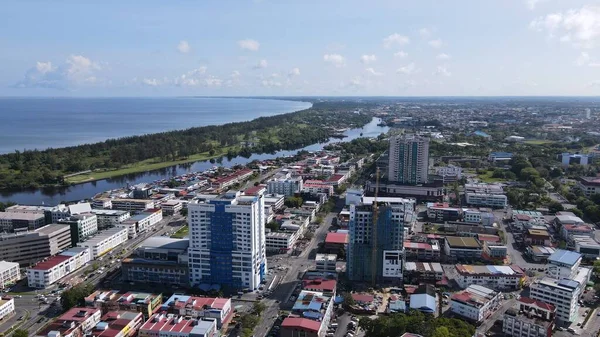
column 181, row 233
column 146, row 165
column 487, row 177
column 538, row 141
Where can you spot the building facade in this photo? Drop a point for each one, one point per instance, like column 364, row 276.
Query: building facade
column 108, row 218
column 227, row 241
column 7, row 307
column 476, row 303
column 408, row 159
column 9, row 274
column 493, row 277
column 55, row 268
column 286, row 186
column 105, row 241
column 15, row 222
column 82, row 226
column 529, row 318
column 562, row 294
column 30, row 247
column 486, row 200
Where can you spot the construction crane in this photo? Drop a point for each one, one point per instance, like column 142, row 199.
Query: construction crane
column 374, row 240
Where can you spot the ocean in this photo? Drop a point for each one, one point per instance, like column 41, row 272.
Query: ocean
column 40, row 123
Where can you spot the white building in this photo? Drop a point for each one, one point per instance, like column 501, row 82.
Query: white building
column 110, row 217
column 17, row 222
column 576, row 158
column 285, row 186
column 589, row 185
column 7, row 307
column 487, row 200
column 563, row 264
column 141, row 222
column 280, row 241
column 317, row 186
column 326, row 263
column 105, row 241
column 227, row 241
column 132, row 204
column 450, row 173
column 476, row 303
column 529, row 318
column 171, row 207
column 52, row 270
column 563, row 294
column 494, row 277
column 471, row 216
column 9, row 274
column 408, row 159
column 56, row 212
column 586, row 246
column 84, row 224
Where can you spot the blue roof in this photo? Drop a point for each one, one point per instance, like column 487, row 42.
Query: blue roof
column 566, row 257
column 502, row 154
column 481, row 133
column 568, row 283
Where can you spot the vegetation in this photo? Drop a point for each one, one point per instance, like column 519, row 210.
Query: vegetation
column 5, row 205
column 75, row 296
column 293, row 202
column 35, row 168
column 181, row 232
column 273, row 226
column 250, row 320
column 418, row 323
column 21, row 333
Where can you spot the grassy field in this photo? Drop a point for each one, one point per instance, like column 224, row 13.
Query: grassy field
column 146, row 165
column 538, row 141
column 181, row 233
column 487, row 178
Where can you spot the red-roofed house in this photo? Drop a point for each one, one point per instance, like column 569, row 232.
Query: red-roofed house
column 50, row 271
column 296, row 326
column 569, row 230
column 422, row 250
column 256, row 190
column 336, row 179
column 198, row 307
column 317, row 186
column 363, row 299
column 335, row 242
column 73, row 322
column 118, row 324
column 326, row 286
column 169, row 325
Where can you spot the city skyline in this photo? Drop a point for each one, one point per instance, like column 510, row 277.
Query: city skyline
column 264, row 48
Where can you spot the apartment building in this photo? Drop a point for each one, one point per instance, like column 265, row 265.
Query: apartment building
column 529, row 318
column 132, row 205
column 16, row 222
column 108, row 218
column 476, row 303
column 7, row 307
column 326, row 263
column 9, row 274
column 562, row 294
column 227, row 241
column 55, row 268
column 408, row 159
column 105, row 241
column 286, row 186
column 141, row 222
column 27, row 248
column 82, row 226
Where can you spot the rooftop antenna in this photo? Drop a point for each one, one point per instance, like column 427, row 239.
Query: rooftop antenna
column 375, row 217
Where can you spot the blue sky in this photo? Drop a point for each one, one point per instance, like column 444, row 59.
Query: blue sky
column 325, row 47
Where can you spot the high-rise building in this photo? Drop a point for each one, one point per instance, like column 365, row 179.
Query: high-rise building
column 393, row 215
column 227, row 241
column 408, row 159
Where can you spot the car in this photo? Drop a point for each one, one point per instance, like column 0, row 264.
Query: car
column 20, row 318
column 18, row 296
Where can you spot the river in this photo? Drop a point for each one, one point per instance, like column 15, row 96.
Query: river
column 53, row 196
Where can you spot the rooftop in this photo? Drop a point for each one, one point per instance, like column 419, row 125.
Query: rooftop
column 21, row 216
column 475, row 295
column 165, row 243
column 538, row 232
column 51, row 262
column 462, row 242
column 4, row 265
column 320, row 284
column 336, row 238
column 301, row 323
column 511, row 270
column 424, row 267
column 565, row 257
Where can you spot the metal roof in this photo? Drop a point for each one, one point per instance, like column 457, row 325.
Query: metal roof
column 566, row 257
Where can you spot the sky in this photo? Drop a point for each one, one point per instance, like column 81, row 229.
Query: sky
column 299, row 48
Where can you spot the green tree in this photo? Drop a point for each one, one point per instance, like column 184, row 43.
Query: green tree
column 555, row 206
column 21, row 333
column 441, row 332
column 258, row 308
column 348, row 301
column 273, row 225
column 75, row 296
column 529, row 174
column 293, row 202
column 183, row 211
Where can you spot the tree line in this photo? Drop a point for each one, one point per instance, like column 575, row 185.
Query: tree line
column 36, row 168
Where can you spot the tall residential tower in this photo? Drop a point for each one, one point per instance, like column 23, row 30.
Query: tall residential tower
column 408, row 161
column 227, row 241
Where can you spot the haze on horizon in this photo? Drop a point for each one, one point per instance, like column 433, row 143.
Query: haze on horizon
column 300, row 48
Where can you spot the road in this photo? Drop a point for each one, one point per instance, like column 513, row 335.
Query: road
column 498, row 314
column 40, row 314
column 279, row 298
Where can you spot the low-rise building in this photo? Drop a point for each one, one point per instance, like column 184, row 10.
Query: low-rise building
column 564, row 264
column 589, row 185
column 286, row 186
column 55, row 268
column 171, row 207
column 539, row 253
column 424, row 299
column 327, row 286
column 280, row 241
column 105, row 241
column 9, row 274
column 317, row 186
column 441, row 212
column 500, row 156
column 171, row 325
column 450, row 173
column 27, row 248
column 422, row 251
column 7, row 307
column 494, row 251
column 486, row 200
column 132, row 205
column 472, row 216
column 335, row 242
column 73, row 323
column 529, row 318
column 15, row 221
column 110, row 217
column 142, row 222
column 310, row 315
column 476, row 303
column 118, row 324
column 51, row 213
column 459, row 248
column 562, row 294
column 538, row 237
column 417, row 272
column 588, row 247
column 580, row 229
column 219, row 309
column 493, row 277
column 326, row 263
column 113, row 300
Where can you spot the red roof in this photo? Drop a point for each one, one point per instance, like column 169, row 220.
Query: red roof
column 51, row 262
column 579, row 228
column 523, row 217
column 539, row 304
column 339, row 238
column 254, row 190
column 335, row 177
column 417, row 245
column 319, row 284
column 363, row 298
column 488, row 238
column 302, row 323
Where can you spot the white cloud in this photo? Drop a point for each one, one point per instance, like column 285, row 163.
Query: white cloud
column 184, row 47
column 366, row 59
column 532, row 3
column 407, row 69
column 437, row 43
column 443, row 56
column 373, row 72
column 442, row 71
column 294, row 72
column 578, row 26
column 395, row 39
column 153, row 82
column 261, row 64
column 424, row 32
column 249, row 44
column 400, row 54
column 235, row 74
column 77, row 70
column 582, row 59
column 336, row 60
column 197, row 77
column 198, row 71
column 271, row 84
